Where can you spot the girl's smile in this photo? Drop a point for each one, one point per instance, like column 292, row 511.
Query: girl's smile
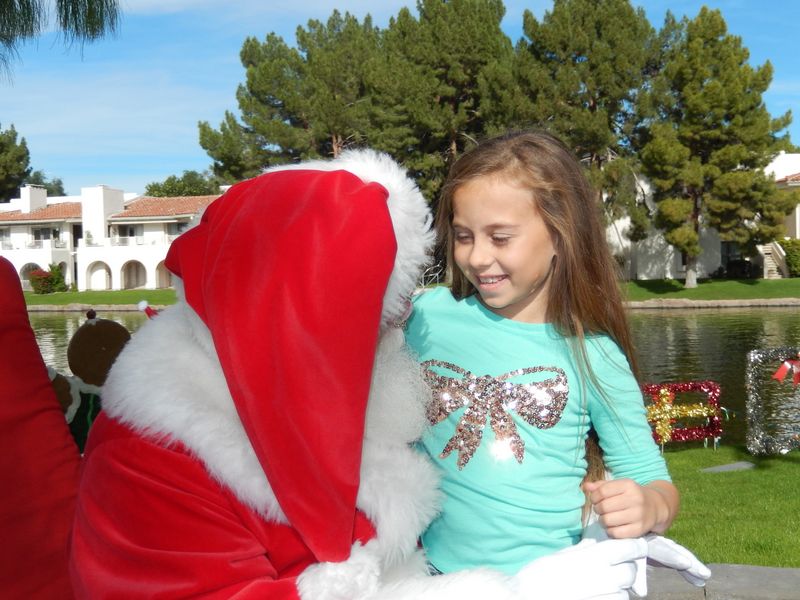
column 503, row 246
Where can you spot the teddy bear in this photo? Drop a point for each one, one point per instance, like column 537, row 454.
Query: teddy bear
column 91, row 351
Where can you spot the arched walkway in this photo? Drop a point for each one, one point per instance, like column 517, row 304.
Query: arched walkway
column 25, row 275
column 163, row 276
column 98, row 276
column 134, row 275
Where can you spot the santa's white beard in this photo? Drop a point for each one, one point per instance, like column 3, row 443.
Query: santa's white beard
column 398, row 393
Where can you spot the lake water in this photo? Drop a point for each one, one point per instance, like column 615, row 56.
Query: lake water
column 672, row 346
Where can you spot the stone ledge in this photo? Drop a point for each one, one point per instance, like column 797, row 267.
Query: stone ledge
column 687, row 303
column 728, row 582
column 99, row 308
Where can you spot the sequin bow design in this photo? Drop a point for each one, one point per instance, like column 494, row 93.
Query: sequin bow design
column 539, row 403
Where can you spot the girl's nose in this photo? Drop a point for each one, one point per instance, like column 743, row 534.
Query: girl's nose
column 479, row 257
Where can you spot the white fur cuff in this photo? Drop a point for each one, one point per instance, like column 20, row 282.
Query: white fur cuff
column 353, row 579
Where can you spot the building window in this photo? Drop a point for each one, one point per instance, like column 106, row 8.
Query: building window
column 177, row 228
column 129, row 230
column 44, row 233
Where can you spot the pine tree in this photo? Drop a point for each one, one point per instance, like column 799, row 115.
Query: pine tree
column 76, row 20
column 412, row 90
column 54, row 187
column 582, row 68
column 14, row 163
column 708, row 141
column 297, row 103
column 440, row 61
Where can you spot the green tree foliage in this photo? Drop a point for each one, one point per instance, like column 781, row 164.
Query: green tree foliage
column 191, row 183
column 57, row 278
column 14, row 163
column 297, row 103
column 412, row 90
column 441, row 64
column 54, row 187
column 76, row 20
column 582, row 69
column 594, row 72
column 708, row 140
column 792, row 249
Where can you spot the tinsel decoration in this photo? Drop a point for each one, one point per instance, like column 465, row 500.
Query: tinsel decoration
column 668, row 418
column 773, row 408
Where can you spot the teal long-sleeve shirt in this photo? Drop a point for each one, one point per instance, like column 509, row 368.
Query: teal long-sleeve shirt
column 507, row 503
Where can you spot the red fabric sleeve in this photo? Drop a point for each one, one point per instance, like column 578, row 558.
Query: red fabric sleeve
column 150, row 523
column 39, row 460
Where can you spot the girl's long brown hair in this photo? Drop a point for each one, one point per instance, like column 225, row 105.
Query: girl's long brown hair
column 584, row 292
column 584, row 282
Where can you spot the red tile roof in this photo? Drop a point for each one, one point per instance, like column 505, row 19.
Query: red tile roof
column 149, row 207
column 52, row 212
column 790, row 179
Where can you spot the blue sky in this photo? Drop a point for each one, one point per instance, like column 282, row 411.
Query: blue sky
column 124, row 111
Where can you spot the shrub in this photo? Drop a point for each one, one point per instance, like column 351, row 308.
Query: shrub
column 57, row 283
column 41, row 281
column 792, row 249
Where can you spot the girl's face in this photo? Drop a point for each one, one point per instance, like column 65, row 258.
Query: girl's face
column 503, row 247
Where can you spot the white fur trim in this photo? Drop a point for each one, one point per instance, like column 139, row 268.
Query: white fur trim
column 399, row 486
column 411, row 218
column 356, row 578
column 398, row 393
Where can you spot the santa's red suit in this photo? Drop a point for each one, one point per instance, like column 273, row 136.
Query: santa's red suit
column 255, row 436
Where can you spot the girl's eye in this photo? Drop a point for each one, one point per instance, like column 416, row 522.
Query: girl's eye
column 500, row 239
column 463, row 237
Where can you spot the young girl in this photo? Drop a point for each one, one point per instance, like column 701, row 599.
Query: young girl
column 528, row 350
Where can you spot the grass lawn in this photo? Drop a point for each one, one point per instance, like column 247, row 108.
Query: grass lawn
column 714, row 289
column 743, row 517
column 154, row 297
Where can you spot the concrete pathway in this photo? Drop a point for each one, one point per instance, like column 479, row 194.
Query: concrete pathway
column 728, row 582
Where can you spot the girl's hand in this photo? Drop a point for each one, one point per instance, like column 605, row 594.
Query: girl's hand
column 627, row 509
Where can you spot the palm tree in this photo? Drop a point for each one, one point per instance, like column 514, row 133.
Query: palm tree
column 77, row 20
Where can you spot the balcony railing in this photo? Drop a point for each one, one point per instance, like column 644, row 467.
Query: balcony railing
column 39, row 244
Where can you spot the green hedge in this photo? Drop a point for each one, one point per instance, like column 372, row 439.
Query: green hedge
column 792, row 249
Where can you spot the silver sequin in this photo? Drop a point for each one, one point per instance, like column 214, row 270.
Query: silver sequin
column 539, row 403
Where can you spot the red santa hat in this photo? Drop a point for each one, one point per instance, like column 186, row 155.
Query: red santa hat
column 294, row 272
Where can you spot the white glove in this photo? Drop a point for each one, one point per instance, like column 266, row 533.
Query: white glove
column 666, row 553
column 588, row 570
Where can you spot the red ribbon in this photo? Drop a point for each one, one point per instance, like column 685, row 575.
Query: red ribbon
column 783, row 371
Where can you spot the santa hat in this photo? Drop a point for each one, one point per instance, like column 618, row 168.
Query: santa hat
column 294, row 272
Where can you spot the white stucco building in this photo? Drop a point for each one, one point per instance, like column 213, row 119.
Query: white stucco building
column 654, row 258
column 103, row 239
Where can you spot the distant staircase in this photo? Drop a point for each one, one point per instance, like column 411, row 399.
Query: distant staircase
column 774, row 261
